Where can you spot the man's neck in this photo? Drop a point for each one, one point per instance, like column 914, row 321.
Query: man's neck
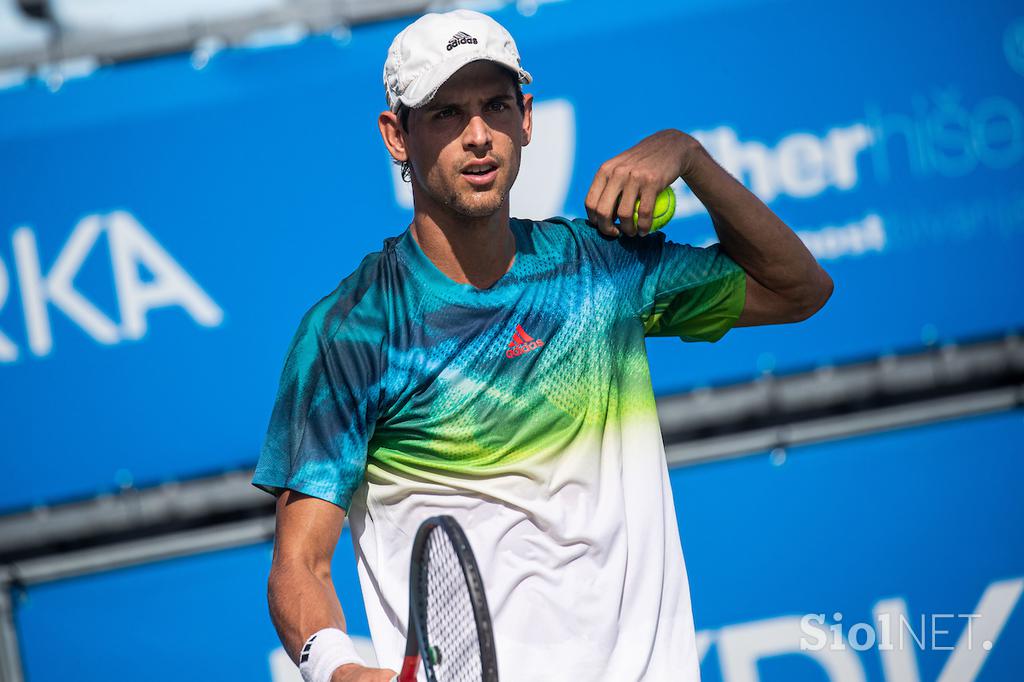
column 477, row 251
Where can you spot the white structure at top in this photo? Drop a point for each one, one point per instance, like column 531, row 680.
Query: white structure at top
column 118, row 16
column 21, row 34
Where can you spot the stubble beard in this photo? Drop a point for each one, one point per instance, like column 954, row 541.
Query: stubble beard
column 469, row 202
column 473, row 204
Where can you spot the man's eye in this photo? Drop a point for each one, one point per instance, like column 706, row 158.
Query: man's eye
column 445, row 113
column 501, row 106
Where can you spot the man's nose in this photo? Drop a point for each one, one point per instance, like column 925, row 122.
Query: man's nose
column 477, row 133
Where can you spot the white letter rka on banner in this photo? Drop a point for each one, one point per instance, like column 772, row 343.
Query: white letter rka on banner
column 131, row 246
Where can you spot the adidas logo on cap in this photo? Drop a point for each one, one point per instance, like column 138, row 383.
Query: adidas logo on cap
column 461, row 38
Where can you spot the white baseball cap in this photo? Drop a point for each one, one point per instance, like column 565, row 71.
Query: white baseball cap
column 430, row 50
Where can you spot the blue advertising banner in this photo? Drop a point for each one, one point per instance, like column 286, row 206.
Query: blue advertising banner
column 165, row 223
column 884, row 558
column 862, row 559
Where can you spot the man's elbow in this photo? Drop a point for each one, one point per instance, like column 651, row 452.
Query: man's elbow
column 815, row 297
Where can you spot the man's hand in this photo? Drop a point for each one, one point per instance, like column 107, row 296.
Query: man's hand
column 640, row 172
column 357, row 673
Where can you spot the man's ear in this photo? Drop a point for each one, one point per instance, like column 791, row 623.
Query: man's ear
column 527, row 118
column 394, row 136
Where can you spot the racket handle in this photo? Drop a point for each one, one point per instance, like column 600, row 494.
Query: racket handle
column 409, row 666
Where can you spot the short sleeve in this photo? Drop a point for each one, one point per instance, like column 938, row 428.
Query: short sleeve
column 324, row 412
column 695, row 293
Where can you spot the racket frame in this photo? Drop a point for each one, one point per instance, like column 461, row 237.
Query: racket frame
column 417, row 642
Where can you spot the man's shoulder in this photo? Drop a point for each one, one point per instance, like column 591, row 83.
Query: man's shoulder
column 575, row 235
column 559, row 228
column 564, row 235
column 357, row 300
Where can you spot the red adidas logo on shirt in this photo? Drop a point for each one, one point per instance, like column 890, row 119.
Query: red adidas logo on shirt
column 521, row 343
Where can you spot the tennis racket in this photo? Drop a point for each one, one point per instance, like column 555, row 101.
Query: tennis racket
column 450, row 629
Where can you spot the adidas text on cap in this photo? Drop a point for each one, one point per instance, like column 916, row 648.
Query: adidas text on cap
column 431, row 49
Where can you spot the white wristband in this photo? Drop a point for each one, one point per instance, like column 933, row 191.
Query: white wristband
column 324, row 652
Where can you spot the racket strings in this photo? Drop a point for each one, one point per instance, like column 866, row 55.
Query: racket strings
column 453, row 646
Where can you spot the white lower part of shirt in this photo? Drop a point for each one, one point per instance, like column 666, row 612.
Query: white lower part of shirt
column 579, row 553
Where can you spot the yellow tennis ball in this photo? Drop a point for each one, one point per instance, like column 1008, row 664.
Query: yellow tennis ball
column 664, row 209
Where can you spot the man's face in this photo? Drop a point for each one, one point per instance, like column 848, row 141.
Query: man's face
column 473, row 118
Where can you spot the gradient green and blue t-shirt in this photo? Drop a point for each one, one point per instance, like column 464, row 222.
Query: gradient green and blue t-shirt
column 526, row 411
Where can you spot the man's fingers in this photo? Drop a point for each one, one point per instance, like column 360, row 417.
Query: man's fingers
column 594, row 195
column 646, row 212
column 613, row 196
column 605, row 209
column 358, row 673
column 624, row 210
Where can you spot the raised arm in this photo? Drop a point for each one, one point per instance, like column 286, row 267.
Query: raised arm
column 784, row 282
column 300, row 591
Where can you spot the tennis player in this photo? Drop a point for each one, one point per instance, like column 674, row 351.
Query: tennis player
column 494, row 369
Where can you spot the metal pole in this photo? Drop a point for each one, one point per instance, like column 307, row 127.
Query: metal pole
column 10, row 657
column 146, row 550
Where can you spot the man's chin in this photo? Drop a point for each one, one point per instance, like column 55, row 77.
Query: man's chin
column 482, row 205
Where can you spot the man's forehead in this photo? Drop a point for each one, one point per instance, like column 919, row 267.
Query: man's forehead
column 476, row 80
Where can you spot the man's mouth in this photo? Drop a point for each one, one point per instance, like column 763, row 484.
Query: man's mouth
column 480, row 175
